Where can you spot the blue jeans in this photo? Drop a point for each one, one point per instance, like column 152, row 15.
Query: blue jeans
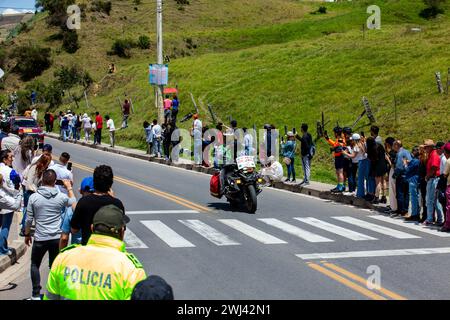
column 432, row 201
column 26, row 197
column 402, row 192
column 306, row 163
column 363, row 178
column 75, row 133
column 66, row 134
column 5, row 223
column 157, row 146
column 67, row 214
column 414, row 196
column 291, row 169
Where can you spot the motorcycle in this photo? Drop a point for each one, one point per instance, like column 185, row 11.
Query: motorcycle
column 243, row 184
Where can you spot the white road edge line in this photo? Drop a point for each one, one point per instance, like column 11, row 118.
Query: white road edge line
column 375, row 253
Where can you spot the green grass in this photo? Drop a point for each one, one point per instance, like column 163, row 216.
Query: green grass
column 276, row 64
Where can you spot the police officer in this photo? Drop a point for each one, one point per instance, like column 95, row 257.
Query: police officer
column 101, row 270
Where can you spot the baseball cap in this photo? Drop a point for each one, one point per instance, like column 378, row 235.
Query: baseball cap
column 87, row 184
column 152, row 288
column 446, row 147
column 356, row 137
column 47, row 147
column 112, row 217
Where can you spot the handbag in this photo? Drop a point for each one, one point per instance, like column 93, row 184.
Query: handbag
column 287, row 160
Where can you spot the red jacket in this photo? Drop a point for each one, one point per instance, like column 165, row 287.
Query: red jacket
column 99, row 122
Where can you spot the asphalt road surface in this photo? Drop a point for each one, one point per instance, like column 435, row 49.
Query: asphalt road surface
column 294, row 247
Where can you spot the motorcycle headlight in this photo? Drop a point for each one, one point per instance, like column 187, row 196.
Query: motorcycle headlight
column 238, row 181
column 260, row 180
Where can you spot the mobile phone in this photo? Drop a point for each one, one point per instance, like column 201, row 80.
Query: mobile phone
column 294, row 131
column 69, row 166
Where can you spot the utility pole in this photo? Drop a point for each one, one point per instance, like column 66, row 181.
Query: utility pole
column 159, row 52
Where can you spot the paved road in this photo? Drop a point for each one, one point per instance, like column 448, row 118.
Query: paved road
column 206, row 251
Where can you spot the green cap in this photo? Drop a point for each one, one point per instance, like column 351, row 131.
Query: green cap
column 112, row 217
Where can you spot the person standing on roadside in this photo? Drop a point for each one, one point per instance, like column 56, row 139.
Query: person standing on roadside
column 175, row 107
column 306, row 145
column 433, row 167
column 65, row 128
column 401, row 185
column 125, row 113
column 157, row 138
column 412, row 178
column 47, row 121
column 90, row 204
column 446, row 173
column 288, row 150
column 391, row 155
column 44, row 208
column 87, row 127
column 99, row 127
column 101, row 269
column 112, row 130
column 148, row 137
column 167, row 109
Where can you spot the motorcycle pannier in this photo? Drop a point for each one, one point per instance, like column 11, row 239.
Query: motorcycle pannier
column 214, row 185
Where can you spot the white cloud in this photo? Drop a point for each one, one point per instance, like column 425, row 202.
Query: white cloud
column 14, row 11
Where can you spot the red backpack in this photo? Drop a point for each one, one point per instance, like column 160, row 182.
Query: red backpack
column 214, row 185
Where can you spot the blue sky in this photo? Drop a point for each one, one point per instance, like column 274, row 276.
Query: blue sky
column 16, row 4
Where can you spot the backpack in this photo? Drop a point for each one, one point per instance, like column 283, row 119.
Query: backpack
column 214, row 185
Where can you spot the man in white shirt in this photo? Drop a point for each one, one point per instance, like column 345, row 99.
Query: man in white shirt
column 197, row 134
column 156, row 131
column 110, row 126
column 62, row 172
column 273, row 172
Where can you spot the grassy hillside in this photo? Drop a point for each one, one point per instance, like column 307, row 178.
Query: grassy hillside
column 271, row 61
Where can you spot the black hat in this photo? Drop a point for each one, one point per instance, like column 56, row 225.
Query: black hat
column 347, row 130
column 337, row 129
column 152, row 288
column 112, row 217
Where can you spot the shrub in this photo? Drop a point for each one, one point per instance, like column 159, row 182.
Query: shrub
column 322, row 10
column 144, row 42
column 137, row 2
column 433, row 9
column 57, row 10
column 31, row 61
column 2, row 57
column 70, row 41
column 122, row 47
column 53, row 94
column 102, row 6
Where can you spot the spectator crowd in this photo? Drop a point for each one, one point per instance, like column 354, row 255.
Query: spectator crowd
column 84, row 238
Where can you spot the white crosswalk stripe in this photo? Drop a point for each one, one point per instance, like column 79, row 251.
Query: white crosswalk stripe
column 209, row 233
column 252, row 232
column 166, row 234
column 132, row 241
column 346, row 233
column 412, row 226
column 376, row 228
column 296, row 231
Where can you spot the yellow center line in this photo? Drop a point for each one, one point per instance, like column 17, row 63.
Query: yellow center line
column 346, row 282
column 173, row 198
column 359, row 279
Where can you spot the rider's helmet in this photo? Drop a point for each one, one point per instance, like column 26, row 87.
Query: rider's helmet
column 347, row 130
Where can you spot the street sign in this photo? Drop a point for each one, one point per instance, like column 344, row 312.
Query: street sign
column 2, row 73
column 159, row 74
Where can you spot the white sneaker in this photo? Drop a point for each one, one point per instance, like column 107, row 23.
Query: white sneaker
column 35, row 298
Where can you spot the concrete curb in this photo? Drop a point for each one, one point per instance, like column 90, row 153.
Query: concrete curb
column 7, row 261
column 296, row 188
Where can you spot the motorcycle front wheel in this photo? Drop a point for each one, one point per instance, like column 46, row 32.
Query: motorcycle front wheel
column 250, row 201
